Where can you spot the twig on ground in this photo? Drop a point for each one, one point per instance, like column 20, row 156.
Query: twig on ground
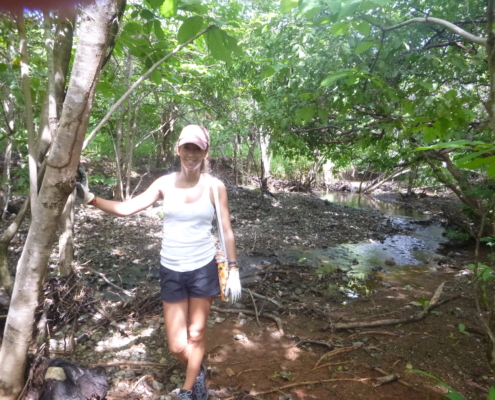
column 387, row 379
column 136, row 363
column 320, row 342
column 259, row 296
column 375, row 333
column 126, row 292
column 330, row 364
column 334, row 353
column 418, row 317
column 247, row 370
column 307, row 383
column 139, row 381
column 277, row 320
column 255, row 308
column 381, row 371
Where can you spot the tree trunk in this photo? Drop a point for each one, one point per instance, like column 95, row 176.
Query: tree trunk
column 58, row 184
column 131, row 134
column 62, row 52
column 66, row 238
column 265, row 160
column 26, row 90
column 119, row 189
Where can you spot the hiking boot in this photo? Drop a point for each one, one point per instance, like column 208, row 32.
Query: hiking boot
column 199, row 389
column 185, row 395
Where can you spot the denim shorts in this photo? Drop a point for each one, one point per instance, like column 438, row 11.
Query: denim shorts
column 202, row 282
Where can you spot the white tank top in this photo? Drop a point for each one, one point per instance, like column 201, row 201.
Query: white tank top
column 187, row 242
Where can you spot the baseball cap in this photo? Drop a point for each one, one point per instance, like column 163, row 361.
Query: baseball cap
column 195, row 134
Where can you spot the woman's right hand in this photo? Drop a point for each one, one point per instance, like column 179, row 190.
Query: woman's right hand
column 82, row 187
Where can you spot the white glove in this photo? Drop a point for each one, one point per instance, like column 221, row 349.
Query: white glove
column 233, row 286
column 82, row 187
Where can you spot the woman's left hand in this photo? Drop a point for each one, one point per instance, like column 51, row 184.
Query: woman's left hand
column 233, row 286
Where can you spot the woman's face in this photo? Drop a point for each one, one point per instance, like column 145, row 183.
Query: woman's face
column 191, row 156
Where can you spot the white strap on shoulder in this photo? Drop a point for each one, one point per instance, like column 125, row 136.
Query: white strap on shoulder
column 214, row 185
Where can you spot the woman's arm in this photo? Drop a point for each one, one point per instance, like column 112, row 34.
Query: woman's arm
column 138, row 203
column 228, row 233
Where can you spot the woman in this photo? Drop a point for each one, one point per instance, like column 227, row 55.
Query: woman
column 188, row 272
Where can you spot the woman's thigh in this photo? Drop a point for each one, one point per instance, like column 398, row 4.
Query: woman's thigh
column 175, row 316
column 199, row 309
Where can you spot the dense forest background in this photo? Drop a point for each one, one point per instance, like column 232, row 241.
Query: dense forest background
column 298, row 90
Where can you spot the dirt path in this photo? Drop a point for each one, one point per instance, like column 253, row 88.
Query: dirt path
column 250, row 359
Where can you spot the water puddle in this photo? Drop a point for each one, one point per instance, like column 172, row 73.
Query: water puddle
column 370, row 264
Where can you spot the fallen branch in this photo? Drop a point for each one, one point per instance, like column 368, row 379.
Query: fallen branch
column 126, row 292
column 259, row 296
column 320, row 342
column 305, row 383
column 135, row 363
column 418, row 317
column 408, row 385
column 334, row 353
column 277, row 320
column 255, row 308
column 387, row 379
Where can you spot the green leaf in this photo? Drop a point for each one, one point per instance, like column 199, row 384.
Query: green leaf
column 334, row 6
column 362, row 27
column 478, row 163
column 430, row 134
column 381, row 2
column 189, row 28
column 363, row 47
column 157, row 27
column 287, row 5
column 169, row 8
column 348, row 8
column 323, row 114
column 3, row 67
column 217, row 45
column 267, row 71
column 156, row 76
column 193, row 6
column 339, row 28
column 147, row 14
column 305, row 114
column 155, row 3
column 491, row 395
column 309, row 7
column 331, row 79
column 302, row 260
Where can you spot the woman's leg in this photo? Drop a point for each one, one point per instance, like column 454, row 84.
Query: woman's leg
column 187, row 343
column 199, row 308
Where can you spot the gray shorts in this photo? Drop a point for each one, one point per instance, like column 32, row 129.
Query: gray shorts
column 202, row 282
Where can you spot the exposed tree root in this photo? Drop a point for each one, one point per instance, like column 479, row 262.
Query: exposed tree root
column 396, row 321
column 334, row 353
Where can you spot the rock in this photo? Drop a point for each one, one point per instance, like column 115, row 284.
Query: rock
column 158, row 386
column 240, row 336
column 137, row 326
column 390, row 261
column 129, row 374
column 55, row 373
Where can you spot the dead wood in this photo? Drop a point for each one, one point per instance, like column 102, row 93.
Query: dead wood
column 259, row 296
column 277, row 320
column 402, row 382
column 319, row 342
column 334, row 353
column 135, row 363
column 126, row 292
column 255, row 308
column 396, row 321
column 306, row 383
column 387, row 379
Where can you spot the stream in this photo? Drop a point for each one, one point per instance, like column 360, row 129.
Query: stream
column 370, row 264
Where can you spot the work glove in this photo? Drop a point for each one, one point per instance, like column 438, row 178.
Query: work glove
column 82, row 187
column 233, row 286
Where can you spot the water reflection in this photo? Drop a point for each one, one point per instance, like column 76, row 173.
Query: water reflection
column 363, row 201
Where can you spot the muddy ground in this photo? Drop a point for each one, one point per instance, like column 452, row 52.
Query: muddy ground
column 111, row 314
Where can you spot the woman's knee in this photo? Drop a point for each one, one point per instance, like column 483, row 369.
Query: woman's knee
column 177, row 347
column 197, row 335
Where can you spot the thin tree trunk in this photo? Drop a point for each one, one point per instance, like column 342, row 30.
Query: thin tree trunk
column 58, row 184
column 236, row 156
column 66, row 238
column 119, row 190
column 265, row 160
column 130, row 152
column 61, row 55
column 26, row 90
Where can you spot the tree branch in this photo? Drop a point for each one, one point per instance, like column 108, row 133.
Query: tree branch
column 449, row 25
